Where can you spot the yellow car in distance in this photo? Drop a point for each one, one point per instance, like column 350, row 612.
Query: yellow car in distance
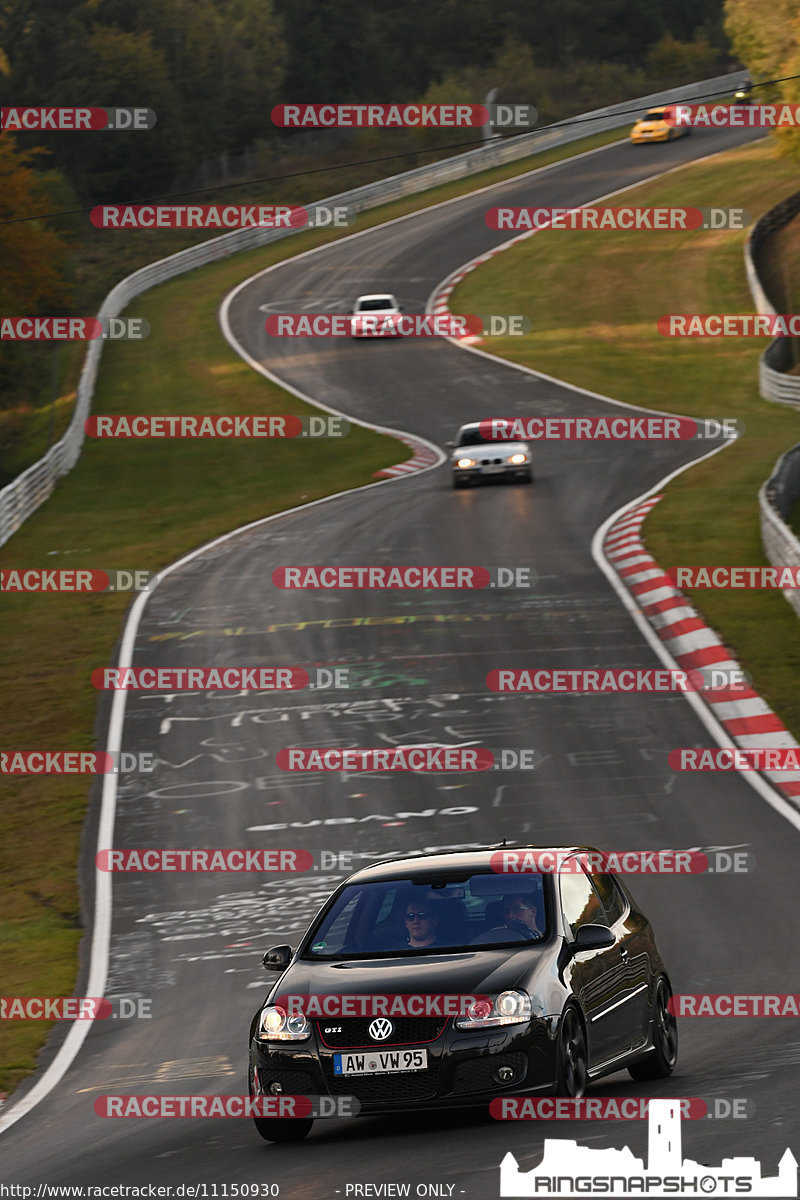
column 653, row 127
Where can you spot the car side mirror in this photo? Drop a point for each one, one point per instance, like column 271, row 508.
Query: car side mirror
column 277, row 958
column 593, row 937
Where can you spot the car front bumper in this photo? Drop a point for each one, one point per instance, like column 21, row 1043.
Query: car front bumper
column 462, row 1069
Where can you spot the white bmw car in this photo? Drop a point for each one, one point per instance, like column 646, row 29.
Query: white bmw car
column 476, row 455
column 375, row 316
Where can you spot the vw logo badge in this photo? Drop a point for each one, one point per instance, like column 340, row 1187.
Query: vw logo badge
column 381, row 1029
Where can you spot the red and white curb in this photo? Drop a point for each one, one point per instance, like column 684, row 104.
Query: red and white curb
column 748, row 720
column 423, row 456
column 440, row 302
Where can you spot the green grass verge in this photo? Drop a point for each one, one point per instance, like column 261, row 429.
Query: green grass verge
column 142, row 505
column 594, row 299
column 105, row 256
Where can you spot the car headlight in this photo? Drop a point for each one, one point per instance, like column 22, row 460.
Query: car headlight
column 466, row 462
column 276, row 1025
column 509, row 1008
column 516, row 459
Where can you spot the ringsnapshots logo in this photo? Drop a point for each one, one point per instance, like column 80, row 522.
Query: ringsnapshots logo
column 217, row 426
column 45, row 120
column 567, row 1169
column 607, row 217
column 404, row 116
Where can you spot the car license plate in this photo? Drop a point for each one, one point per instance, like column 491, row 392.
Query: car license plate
column 493, row 468
column 380, row 1062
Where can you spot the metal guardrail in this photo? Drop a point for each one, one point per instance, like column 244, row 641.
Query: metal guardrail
column 773, row 381
column 777, row 496
column 775, row 500
column 29, row 490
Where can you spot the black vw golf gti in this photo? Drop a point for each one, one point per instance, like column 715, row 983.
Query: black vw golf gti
column 446, row 980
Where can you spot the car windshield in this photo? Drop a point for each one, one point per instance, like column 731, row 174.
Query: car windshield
column 474, row 437
column 375, row 303
column 655, row 114
column 431, row 914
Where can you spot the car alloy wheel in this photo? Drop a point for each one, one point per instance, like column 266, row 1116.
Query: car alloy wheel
column 661, row 1062
column 572, row 1056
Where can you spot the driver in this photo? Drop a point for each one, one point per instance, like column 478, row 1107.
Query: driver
column 421, row 921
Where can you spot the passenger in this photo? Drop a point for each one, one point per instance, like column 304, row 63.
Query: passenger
column 522, row 910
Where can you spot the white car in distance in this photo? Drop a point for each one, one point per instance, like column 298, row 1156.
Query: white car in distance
column 475, row 455
column 375, row 316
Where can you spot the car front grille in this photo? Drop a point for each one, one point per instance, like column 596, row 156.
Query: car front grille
column 384, row 1089
column 408, row 1031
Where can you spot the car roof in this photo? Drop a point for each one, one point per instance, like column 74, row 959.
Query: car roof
column 465, row 860
column 376, row 296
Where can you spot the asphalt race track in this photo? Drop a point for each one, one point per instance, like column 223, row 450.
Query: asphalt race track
column 191, row 944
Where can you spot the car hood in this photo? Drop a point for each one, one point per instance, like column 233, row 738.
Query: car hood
column 487, row 452
column 467, row 973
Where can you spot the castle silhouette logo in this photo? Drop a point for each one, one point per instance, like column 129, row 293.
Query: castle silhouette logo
column 568, row 1169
